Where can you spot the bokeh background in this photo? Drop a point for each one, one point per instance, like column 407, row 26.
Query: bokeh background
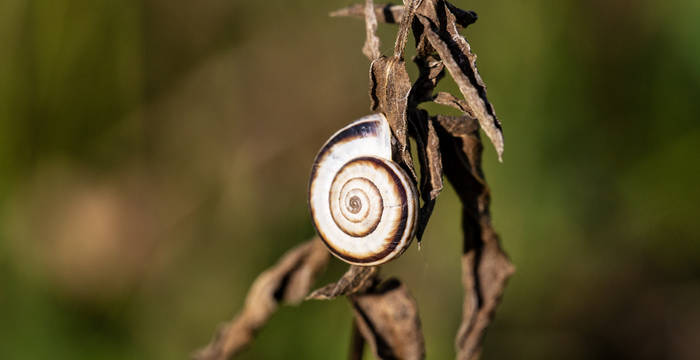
column 154, row 158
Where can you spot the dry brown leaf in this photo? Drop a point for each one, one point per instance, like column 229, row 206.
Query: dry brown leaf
column 485, row 267
column 357, row 279
column 452, row 101
column 405, row 27
column 389, row 89
column 392, row 14
column 441, row 29
column 428, row 149
column 286, row 282
column 386, row 13
column 357, row 343
column 431, row 70
column 387, row 317
column 371, row 47
column 434, row 158
column 463, row 18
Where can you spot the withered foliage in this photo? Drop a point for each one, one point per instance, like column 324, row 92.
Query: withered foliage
column 485, row 267
column 356, row 280
column 386, row 315
column 287, row 282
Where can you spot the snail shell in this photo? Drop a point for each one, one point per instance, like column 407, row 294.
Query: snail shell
column 364, row 206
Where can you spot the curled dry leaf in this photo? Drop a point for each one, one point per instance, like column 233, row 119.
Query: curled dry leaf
column 389, row 89
column 357, row 343
column 356, row 280
column 371, row 47
column 405, row 27
column 431, row 70
column 428, row 149
column 442, row 31
column 463, row 18
column 434, row 161
column 452, row 101
column 389, row 82
column 286, row 282
column 386, row 13
column 387, row 317
column 485, row 267
column 392, row 14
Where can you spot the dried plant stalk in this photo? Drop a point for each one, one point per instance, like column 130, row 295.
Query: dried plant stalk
column 356, row 280
column 371, row 48
column 386, row 315
column 390, row 14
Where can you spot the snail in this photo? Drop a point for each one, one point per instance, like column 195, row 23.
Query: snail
column 363, row 205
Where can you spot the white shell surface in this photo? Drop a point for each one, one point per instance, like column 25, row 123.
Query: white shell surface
column 357, row 154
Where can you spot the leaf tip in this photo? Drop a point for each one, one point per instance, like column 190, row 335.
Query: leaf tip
column 498, row 143
column 339, row 12
column 317, row 294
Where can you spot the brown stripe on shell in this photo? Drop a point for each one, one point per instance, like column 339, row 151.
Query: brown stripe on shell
column 361, row 130
column 399, row 229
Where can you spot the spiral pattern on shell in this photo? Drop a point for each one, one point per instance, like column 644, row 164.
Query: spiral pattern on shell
column 364, row 206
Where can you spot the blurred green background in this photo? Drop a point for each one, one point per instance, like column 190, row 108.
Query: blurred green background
column 154, row 158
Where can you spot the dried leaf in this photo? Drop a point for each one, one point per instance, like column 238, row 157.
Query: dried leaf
column 387, row 317
column 452, row 101
column 430, row 68
column 286, row 282
column 357, row 343
column 431, row 71
column 402, row 34
column 492, row 272
column 463, row 18
column 430, row 162
column 432, row 149
column 392, row 14
column 357, row 279
column 485, row 267
column 458, row 126
column 371, row 47
column 389, row 89
column 441, row 29
column 387, row 13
